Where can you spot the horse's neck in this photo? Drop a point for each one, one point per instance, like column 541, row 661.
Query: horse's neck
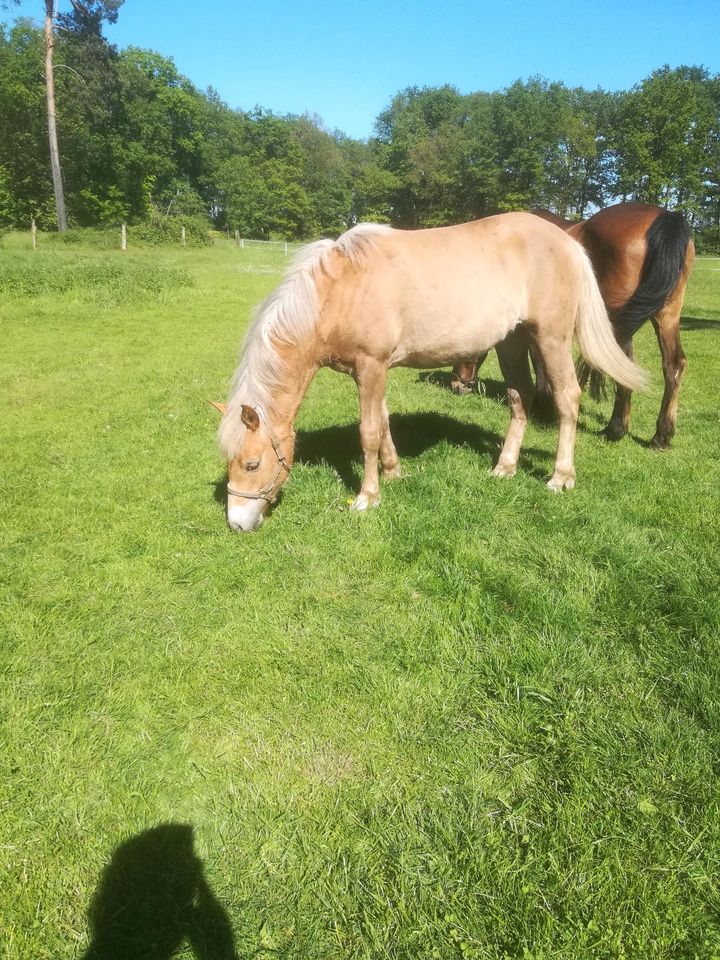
column 299, row 368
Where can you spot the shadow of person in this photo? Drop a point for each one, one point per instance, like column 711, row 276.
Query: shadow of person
column 153, row 897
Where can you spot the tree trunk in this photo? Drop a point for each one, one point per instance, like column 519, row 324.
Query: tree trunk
column 52, row 126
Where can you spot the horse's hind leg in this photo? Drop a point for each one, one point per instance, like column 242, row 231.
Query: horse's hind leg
column 619, row 422
column 388, row 454
column 513, row 357
column 371, row 377
column 674, row 361
column 560, row 370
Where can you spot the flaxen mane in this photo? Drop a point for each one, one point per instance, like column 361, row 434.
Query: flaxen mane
column 287, row 316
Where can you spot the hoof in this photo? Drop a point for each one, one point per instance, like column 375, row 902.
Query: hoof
column 503, row 471
column 613, row 432
column 363, row 501
column 558, row 483
column 392, row 473
column 659, row 442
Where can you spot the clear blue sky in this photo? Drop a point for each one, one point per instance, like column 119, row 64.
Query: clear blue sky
column 344, row 60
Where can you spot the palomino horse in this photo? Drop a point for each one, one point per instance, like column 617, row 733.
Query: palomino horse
column 379, row 298
column 642, row 257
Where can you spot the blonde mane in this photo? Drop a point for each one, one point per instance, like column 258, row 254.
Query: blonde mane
column 287, row 316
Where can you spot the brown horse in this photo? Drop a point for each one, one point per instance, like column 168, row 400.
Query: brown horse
column 642, row 256
column 378, row 298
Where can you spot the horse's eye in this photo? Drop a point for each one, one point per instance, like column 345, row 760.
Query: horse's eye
column 252, row 465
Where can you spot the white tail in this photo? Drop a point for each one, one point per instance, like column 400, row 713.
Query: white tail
column 595, row 334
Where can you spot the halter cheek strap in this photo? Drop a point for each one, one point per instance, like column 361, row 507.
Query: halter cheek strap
column 266, row 493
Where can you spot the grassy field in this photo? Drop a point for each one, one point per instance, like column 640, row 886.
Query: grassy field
column 481, row 722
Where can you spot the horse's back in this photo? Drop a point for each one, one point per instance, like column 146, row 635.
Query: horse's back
column 427, row 297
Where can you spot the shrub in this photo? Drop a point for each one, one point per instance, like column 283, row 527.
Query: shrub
column 707, row 241
column 158, row 229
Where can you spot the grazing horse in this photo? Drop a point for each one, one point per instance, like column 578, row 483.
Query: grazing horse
column 379, row 298
column 642, row 256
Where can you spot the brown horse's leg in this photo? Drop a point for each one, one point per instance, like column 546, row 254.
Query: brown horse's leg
column 542, row 384
column 557, row 358
column 674, row 361
column 513, row 357
column 464, row 375
column 544, row 406
column 370, row 376
column 388, row 454
column 619, row 422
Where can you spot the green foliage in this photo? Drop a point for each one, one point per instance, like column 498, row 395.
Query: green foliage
column 707, row 241
column 138, row 138
column 664, row 133
column 159, row 229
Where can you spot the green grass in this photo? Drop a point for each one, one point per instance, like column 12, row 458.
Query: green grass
column 479, row 722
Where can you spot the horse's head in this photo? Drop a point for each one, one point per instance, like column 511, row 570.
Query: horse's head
column 257, row 471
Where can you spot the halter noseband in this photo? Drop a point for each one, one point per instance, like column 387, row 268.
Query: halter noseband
column 266, row 492
column 471, row 383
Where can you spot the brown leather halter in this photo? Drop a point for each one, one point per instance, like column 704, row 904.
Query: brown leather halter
column 266, row 493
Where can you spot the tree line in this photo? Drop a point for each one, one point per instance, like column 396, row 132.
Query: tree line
column 139, row 142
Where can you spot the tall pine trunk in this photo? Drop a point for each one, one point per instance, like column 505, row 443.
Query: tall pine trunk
column 52, row 126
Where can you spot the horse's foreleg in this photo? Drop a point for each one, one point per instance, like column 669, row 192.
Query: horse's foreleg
column 371, row 377
column 557, row 358
column 674, row 361
column 619, row 422
column 464, row 375
column 513, row 358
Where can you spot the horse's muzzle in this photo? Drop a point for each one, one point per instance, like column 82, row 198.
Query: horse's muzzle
column 246, row 517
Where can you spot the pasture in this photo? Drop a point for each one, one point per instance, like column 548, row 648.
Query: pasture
column 480, row 722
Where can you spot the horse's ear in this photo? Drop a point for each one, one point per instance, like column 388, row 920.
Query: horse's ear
column 220, row 407
column 249, row 417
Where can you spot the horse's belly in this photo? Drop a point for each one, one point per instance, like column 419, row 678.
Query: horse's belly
column 444, row 342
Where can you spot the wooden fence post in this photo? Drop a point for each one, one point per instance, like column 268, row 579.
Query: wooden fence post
column 286, row 247
column 182, row 236
column 33, row 233
column 237, row 237
column 123, row 237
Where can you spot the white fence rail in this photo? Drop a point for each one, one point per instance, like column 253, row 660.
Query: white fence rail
column 287, row 245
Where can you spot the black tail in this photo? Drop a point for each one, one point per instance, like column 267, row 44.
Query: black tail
column 667, row 242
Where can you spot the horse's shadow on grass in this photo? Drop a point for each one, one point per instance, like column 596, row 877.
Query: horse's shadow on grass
column 338, row 447
column 543, row 409
column 153, row 897
column 414, row 434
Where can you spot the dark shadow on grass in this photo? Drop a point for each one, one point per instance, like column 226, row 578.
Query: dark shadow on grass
column 543, row 410
column 220, row 489
column 153, row 897
column 413, row 433
column 698, row 323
